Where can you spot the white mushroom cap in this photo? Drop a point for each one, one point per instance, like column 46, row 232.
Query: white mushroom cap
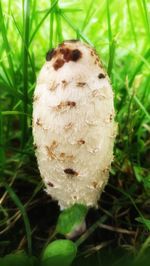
column 73, row 124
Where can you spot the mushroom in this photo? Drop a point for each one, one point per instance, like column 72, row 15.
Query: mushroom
column 73, row 124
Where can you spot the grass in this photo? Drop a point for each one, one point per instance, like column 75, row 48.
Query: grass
column 120, row 32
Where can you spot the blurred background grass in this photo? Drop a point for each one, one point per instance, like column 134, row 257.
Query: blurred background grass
column 120, row 32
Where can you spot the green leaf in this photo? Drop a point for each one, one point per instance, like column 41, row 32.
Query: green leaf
column 18, row 259
column 147, row 182
column 141, row 177
column 138, row 173
column 59, row 252
column 144, row 221
column 71, row 218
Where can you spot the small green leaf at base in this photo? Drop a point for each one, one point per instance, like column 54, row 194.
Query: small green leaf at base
column 59, row 252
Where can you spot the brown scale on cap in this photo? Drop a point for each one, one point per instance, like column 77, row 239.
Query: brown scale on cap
column 58, row 63
column 36, row 98
column 106, row 170
column 65, row 157
column 38, row 122
column 68, row 55
column 50, row 184
column 50, row 150
column 50, row 153
column 68, row 126
column 81, row 141
column 53, row 86
column 70, row 171
column 81, row 84
column 66, row 52
column 50, row 54
column 96, row 61
column 65, row 83
column 92, row 53
column 111, row 117
column 101, row 76
column 94, row 183
column 71, row 104
column 95, row 93
column 65, row 104
column 76, row 55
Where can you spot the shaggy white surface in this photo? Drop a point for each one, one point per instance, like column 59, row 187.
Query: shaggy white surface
column 73, row 125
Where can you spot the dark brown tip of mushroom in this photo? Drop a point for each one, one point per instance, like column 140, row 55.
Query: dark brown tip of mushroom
column 76, row 55
column 70, row 55
column 101, row 76
column 70, row 171
column 50, row 54
column 66, row 54
column 73, row 40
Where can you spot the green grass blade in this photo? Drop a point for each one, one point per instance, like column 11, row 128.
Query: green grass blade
column 20, row 206
column 51, row 29
column 131, row 22
column 2, row 153
column 42, row 21
column 13, row 113
column 22, row 38
column 109, row 22
column 71, row 10
column 112, row 43
column 6, row 43
column 78, row 32
column 111, row 57
column 142, row 107
column 144, row 14
column 9, row 10
column 139, row 66
column 88, row 15
column 59, row 27
column 146, row 17
column 25, row 44
column 33, row 13
column 142, row 250
column 8, row 79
